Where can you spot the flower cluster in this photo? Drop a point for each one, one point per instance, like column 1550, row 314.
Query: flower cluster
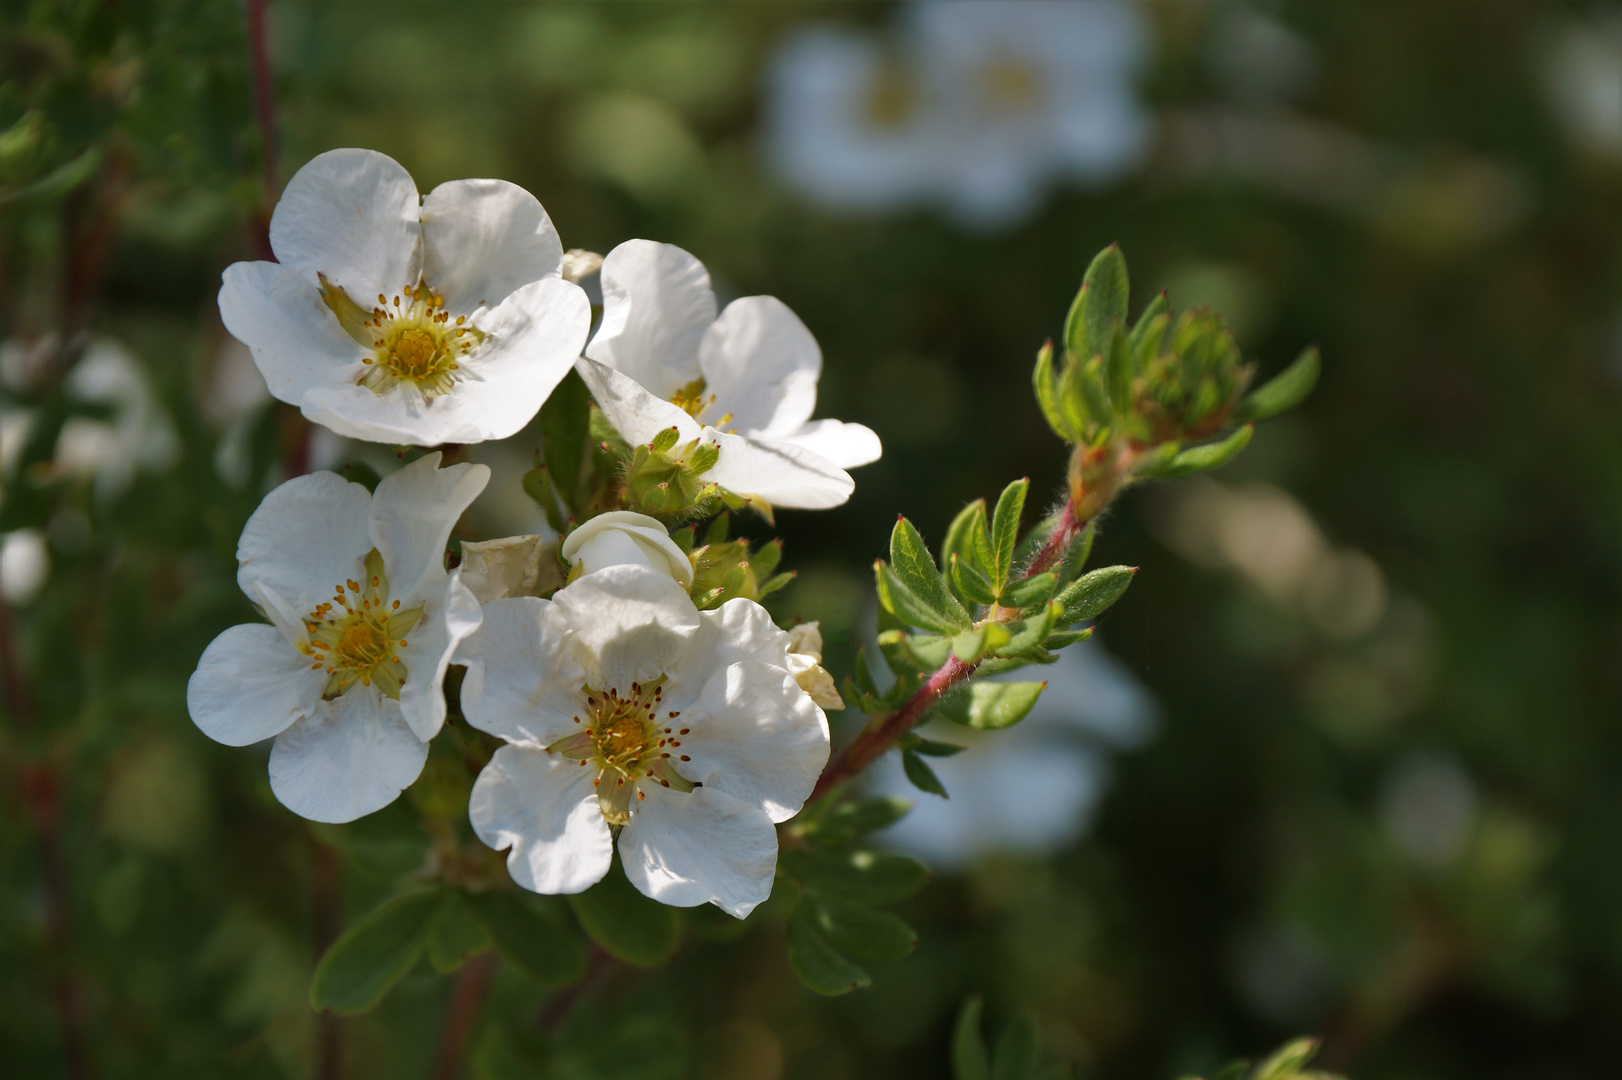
column 686, row 723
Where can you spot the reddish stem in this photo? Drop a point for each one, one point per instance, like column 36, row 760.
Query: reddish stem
column 1058, row 541
column 326, row 915
column 264, row 110
column 467, row 998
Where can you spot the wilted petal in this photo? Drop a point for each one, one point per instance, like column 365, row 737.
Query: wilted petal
column 483, row 239
column 511, row 566
column 412, row 514
column 704, row 846
column 762, row 365
column 354, row 755
column 544, row 808
column 251, row 685
column 352, row 215
column 657, row 304
column 307, row 536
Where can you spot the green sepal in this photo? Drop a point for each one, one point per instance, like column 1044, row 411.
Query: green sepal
column 1028, row 591
column 859, row 930
column 538, row 486
column 373, row 954
column 628, row 925
column 1092, row 594
column 821, row 968
column 665, row 440
column 920, row 775
column 990, row 705
column 907, row 606
column 1005, row 530
column 1017, row 1050
column 1031, row 633
column 1149, row 333
column 1059, row 639
column 537, row 946
column 1283, row 391
column 775, row 583
column 606, row 438
column 1102, row 299
column 864, row 876
column 913, row 564
column 1209, row 456
column 968, row 582
column 1288, row 1062
column 454, row 934
column 970, row 1061
column 1046, row 386
column 1118, row 368
column 926, row 652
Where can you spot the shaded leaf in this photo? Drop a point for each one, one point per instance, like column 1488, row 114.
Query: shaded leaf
column 373, row 954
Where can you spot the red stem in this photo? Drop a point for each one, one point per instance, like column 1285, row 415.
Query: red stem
column 264, row 110
column 467, row 998
column 325, row 917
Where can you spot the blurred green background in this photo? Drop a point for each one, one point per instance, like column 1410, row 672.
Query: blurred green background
column 1384, row 801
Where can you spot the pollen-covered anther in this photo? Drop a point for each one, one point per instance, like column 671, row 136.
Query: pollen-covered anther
column 410, row 342
column 623, row 742
column 357, row 640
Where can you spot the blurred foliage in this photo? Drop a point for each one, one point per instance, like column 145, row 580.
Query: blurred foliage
column 1386, row 802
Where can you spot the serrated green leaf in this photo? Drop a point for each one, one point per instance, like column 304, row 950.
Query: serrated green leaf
column 628, row 925
column 990, row 705
column 1017, row 1049
column 969, row 1058
column 547, row 952
column 1209, row 456
column 864, row 876
column 860, row 930
column 373, row 954
column 1092, row 594
column 920, row 775
column 566, row 437
column 913, row 564
column 821, row 968
column 1283, row 391
column 1047, row 395
column 907, row 606
column 1025, row 592
column 1005, row 530
column 970, row 583
column 454, row 934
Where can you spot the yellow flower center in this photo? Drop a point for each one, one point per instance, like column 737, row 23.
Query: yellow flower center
column 628, row 743
column 891, row 98
column 1010, row 83
column 691, row 400
column 356, row 637
column 411, row 338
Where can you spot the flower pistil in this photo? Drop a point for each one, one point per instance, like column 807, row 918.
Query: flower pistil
column 356, row 636
column 416, row 342
column 624, row 739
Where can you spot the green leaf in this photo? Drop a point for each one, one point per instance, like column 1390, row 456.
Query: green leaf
column 1017, row 1049
column 537, row 485
column 861, row 816
column 1103, row 298
column 990, row 705
column 1150, row 329
column 864, row 876
column 962, row 533
column 969, row 1058
column 931, row 748
column 1288, row 1062
column 566, row 436
column 920, row 775
column 1283, row 391
column 1030, row 634
column 373, row 954
column 821, row 968
column 1028, row 591
column 548, row 953
column 1092, row 594
column 628, row 925
column 1118, row 368
column 916, row 568
column 860, row 930
column 929, row 651
column 1061, row 638
column 907, row 606
column 1209, row 456
column 970, row 583
column 1005, row 530
column 968, row 645
column 454, row 935
column 1047, row 396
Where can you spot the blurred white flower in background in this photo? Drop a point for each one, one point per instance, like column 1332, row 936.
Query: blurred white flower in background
column 976, row 107
column 1032, row 788
column 25, row 563
column 1581, row 68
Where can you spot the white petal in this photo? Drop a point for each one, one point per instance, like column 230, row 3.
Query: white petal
column 762, row 365
column 451, row 616
column 757, row 736
column 250, row 685
column 635, row 413
column 354, row 755
column 296, row 341
column 631, row 621
column 282, row 615
column 544, row 808
column 778, row 472
column 846, row 445
column 523, row 679
column 413, row 512
column 353, row 216
column 622, row 537
column 657, row 304
column 482, row 239
column 307, row 536
column 704, row 846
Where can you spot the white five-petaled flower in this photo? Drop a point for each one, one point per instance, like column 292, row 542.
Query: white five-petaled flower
column 746, row 380
column 407, row 321
column 624, row 706
column 364, row 621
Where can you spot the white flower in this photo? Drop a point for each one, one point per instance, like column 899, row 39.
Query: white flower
column 979, row 107
column 805, row 660
column 746, row 381
column 623, row 705
column 25, row 563
column 444, row 321
column 624, row 537
column 365, row 618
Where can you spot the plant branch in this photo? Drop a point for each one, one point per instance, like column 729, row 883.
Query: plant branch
column 264, row 111
column 467, row 998
column 325, row 916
